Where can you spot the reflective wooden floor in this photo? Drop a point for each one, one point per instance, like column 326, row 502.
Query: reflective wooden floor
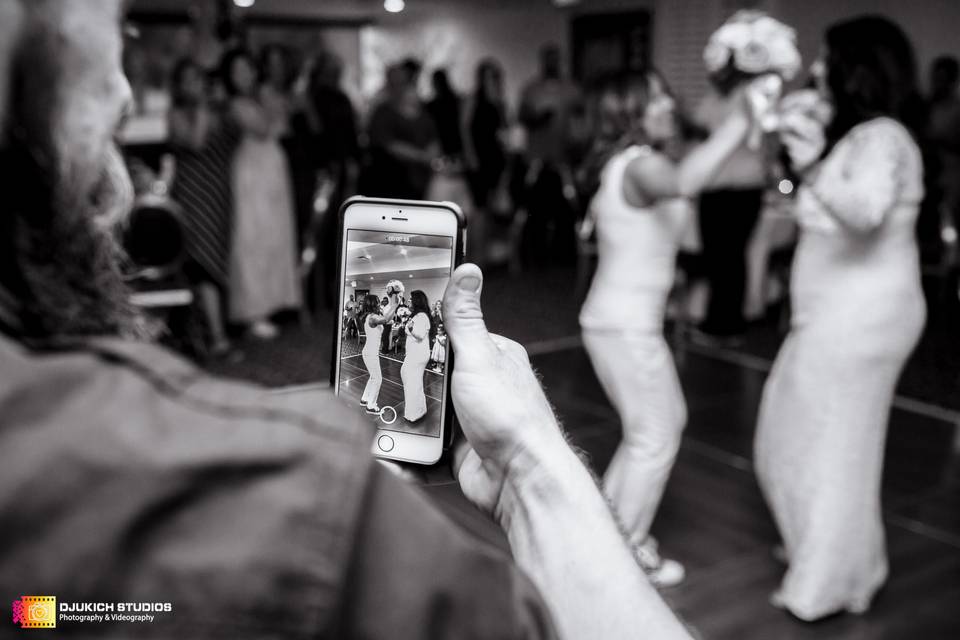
column 713, row 518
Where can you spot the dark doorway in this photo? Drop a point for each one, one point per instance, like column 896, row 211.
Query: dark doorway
column 606, row 44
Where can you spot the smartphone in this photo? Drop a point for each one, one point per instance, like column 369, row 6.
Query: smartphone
column 392, row 359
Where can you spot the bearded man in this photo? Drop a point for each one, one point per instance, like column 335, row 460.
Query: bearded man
column 127, row 476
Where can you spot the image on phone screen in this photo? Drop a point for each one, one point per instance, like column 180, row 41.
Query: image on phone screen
column 393, row 349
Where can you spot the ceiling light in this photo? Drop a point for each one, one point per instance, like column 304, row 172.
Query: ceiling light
column 393, row 6
column 244, row 4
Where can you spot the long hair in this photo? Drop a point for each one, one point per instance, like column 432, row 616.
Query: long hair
column 485, row 66
column 59, row 255
column 871, row 72
column 419, row 303
column 371, row 304
column 618, row 104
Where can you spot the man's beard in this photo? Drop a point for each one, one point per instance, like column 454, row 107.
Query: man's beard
column 61, row 259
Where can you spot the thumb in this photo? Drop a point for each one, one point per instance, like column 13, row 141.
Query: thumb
column 463, row 315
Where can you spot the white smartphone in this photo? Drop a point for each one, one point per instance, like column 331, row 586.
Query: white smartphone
column 392, row 359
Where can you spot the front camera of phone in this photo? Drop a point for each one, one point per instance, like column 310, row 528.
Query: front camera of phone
column 383, row 217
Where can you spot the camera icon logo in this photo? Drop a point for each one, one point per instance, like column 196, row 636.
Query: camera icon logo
column 35, row 612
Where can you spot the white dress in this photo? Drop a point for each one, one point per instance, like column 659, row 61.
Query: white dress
column 414, row 366
column 622, row 322
column 371, row 360
column 263, row 261
column 858, row 311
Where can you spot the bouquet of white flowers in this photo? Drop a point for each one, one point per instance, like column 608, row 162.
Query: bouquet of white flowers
column 395, row 286
column 754, row 44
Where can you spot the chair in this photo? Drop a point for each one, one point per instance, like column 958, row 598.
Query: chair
column 155, row 243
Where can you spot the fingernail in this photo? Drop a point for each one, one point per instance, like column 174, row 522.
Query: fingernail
column 470, row 284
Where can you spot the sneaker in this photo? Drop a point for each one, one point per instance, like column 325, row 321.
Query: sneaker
column 264, row 330
column 662, row 572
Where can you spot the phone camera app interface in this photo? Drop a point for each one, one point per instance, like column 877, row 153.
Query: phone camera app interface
column 393, row 348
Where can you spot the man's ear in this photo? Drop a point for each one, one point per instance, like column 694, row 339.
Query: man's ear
column 11, row 26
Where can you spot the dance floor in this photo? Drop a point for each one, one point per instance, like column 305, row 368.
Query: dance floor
column 713, row 518
column 353, row 379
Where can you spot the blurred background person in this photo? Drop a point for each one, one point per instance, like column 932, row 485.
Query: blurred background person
column 403, row 138
column 728, row 211
column 203, row 141
column 548, row 107
column 284, row 91
column 445, row 109
column 942, row 138
column 485, row 129
column 858, row 311
column 638, row 228
column 337, row 150
column 263, row 274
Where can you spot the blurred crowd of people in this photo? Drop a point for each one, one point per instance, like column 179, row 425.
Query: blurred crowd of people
column 256, row 134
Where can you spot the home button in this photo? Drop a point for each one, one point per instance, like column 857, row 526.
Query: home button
column 385, row 443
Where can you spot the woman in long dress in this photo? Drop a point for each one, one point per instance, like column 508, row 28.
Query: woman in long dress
column 638, row 228
column 374, row 320
column 203, row 142
column 419, row 335
column 858, row 311
column 263, row 264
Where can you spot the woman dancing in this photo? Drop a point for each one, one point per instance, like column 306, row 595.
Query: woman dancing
column 373, row 322
column 858, row 311
column 420, row 333
column 637, row 233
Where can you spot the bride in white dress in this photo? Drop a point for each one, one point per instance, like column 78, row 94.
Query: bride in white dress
column 419, row 330
column 638, row 228
column 858, row 311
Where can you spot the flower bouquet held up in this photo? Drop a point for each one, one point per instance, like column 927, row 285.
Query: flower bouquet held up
column 754, row 44
column 395, row 287
column 753, row 47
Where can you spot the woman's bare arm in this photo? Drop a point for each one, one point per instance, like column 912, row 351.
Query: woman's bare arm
column 656, row 177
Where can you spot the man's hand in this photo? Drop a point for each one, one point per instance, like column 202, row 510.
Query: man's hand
column 499, row 401
column 519, row 467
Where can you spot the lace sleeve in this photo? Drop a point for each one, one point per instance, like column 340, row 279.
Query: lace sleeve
column 863, row 178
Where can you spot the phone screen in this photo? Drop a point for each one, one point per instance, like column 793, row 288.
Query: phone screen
column 393, row 348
